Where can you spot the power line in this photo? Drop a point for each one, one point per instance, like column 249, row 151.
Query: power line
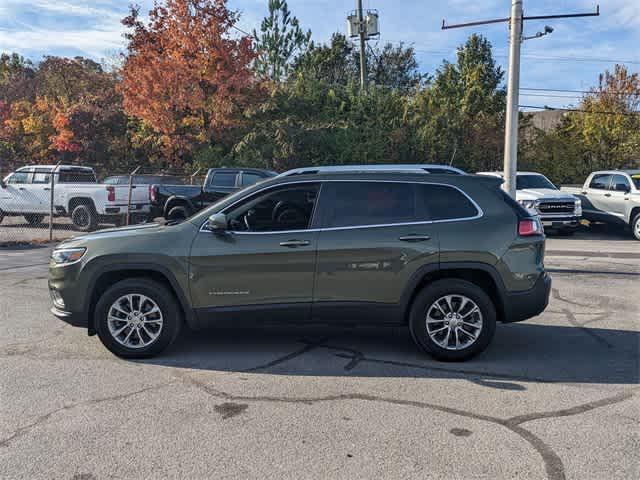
column 602, row 112
column 591, row 92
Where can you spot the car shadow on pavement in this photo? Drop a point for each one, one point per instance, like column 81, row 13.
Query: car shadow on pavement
column 519, row 352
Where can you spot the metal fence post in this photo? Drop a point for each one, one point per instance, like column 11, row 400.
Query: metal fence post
column 193, row 175
column 51, row 189
column 129, row 197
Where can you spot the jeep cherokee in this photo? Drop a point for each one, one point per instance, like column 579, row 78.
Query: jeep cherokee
column 448, row 256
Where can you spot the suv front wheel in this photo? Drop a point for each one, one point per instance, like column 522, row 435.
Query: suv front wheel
column 137, row 318
column 452, row 319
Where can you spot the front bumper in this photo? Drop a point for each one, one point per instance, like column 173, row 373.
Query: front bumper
column 564, row 223
column 519, row 306
column 74, row 319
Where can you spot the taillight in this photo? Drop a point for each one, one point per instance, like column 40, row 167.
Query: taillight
column 529, row 227
column 111, row 194
column 153, row 193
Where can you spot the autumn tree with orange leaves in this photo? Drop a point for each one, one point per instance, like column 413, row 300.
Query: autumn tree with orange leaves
column 185, row 75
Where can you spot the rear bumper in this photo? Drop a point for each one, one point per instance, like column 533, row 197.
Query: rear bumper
column 519, row 306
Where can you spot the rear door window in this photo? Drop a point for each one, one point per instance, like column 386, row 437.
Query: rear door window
column 352, row 204
column 76, row 176
column 41, row 177
column 224, row 180
column 600, row 181
column 619, row 183
column 249, row 178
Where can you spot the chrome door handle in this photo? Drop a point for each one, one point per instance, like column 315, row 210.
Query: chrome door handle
column 294, row 243
column 21, row 188
column 46, row 189
column 414, row 238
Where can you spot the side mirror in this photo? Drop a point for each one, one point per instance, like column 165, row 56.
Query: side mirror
column 217, row 223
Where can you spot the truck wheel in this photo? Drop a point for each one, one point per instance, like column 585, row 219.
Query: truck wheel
column 137, row 318
column 84, row 218
column 1, row 216
column 34, row 219
column 635, row 226
column 452, row 319
column 179, row 213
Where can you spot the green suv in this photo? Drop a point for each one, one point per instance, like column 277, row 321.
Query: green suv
column 448, row 256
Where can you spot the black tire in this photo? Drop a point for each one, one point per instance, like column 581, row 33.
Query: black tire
column 34, row 219
column 84, row 217
column 440, row 288
column 566, row 232
column 179, row 213
column 635, row 226
column 1, row 216
column 158, row 293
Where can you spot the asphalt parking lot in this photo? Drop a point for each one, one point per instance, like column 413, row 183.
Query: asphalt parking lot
column 554, row 397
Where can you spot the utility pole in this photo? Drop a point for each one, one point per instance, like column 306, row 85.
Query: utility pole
column 516, row 22
column 513, row 95
column 364, row 28
column 363, row 38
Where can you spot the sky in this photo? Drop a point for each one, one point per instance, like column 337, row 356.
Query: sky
column 571, row 58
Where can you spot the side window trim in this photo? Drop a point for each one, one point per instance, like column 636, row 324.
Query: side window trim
column 315, row 215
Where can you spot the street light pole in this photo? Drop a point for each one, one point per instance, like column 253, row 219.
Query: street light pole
column 513, row 93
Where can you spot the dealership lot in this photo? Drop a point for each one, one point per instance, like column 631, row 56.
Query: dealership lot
column 554, row 397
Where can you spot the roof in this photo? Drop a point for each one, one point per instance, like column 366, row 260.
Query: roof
column 501, row 174
column 421, row 168
column 51, row 167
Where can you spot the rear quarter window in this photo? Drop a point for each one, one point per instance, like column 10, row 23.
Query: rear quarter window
column 442, row 202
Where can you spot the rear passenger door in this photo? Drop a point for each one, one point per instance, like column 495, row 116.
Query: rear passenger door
column 374, row 237
column 595, row 208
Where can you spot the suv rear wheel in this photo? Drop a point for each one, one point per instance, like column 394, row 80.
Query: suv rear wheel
column 452, row 319
column 137, row 318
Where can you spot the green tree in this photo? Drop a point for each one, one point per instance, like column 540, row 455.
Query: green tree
column 279, row 41
column 459, row 117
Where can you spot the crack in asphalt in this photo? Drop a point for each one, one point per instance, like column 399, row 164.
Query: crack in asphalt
column 553, row 464
column 43, row 418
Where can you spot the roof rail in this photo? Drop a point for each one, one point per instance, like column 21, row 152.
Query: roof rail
column 421, row 168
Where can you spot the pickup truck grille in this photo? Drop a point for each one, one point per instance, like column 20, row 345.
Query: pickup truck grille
column 556, row 207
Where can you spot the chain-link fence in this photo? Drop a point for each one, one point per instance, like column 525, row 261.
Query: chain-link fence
column 45, row 203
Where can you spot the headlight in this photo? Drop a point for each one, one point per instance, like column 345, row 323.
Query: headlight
column 66, row 256
column 528, row 204
column 578, row 208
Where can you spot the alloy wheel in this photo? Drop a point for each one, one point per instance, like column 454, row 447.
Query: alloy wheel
column 135, row 320
column 454, row 322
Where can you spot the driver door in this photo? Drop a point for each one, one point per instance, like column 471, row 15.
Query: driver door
column 262, row 268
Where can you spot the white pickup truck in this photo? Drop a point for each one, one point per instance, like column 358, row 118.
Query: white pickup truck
column 557, row 210
column 27, row 192
column 611, row 196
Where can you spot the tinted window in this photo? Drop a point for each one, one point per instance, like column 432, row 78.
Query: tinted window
column 600, row 181
column 250, row 178
column 287, row 208
column 620, row 183
column 636, row 180
column 224, row 179
column 18, row 177
column 369, row 203
column 76, row 176
column 439, row 202
column 533, row 181
column 112, row 181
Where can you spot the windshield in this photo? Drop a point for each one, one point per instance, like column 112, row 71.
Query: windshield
column 533, row 181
